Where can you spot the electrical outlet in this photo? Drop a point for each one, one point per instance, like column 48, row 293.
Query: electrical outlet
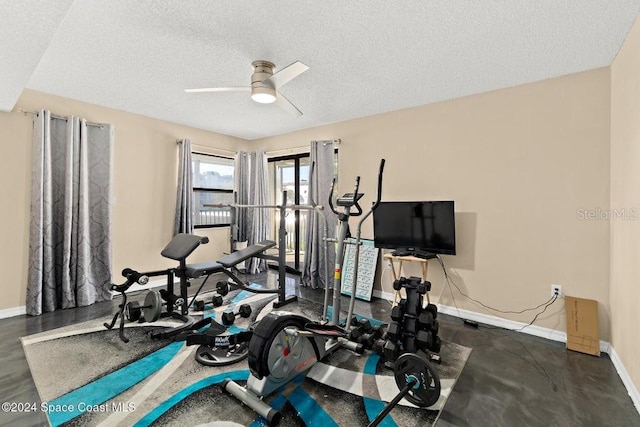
column 556, row 290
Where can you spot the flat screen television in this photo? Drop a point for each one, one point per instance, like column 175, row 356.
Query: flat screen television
column 425, row 227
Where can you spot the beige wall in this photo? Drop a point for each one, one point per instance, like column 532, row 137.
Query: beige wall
column 145, row 169
column 519, row 163
column 625, row 194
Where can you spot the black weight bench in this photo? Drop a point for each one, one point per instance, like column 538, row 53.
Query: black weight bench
column 177, row 307
column 194, row 271
column 225, row 264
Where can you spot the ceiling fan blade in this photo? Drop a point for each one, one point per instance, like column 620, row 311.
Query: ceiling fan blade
column 219, row 89
column 287, row 73
column 286, row 105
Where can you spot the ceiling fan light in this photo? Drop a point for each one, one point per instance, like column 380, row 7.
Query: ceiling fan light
column 263, row 95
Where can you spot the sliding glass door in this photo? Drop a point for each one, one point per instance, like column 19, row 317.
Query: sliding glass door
column 291, row 175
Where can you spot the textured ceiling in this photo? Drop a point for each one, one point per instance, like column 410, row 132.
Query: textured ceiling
column 365, row 57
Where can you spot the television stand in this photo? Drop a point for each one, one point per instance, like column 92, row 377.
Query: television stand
column 397, row 261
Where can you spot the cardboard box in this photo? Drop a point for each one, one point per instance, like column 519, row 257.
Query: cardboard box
column 583, row 334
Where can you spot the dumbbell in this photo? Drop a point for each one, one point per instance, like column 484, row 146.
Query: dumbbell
column 369, row 338
column 424, row 287
column 390, row 350
column 216, row 300
column 378, row 346
column 362, row 326
column 436, row 327
column 222, row 288
column 151, row 308
column 133, row 311
column 436, row 345
column 396, row 313
column 433, row 309
column 228, row 317
column 426, row 320
column 393, row 332
column 424, row 339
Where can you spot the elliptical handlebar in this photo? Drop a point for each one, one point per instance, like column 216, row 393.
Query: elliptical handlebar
column 356, row 257
column 355, row 198
column 379, row 197
column 348, row 201
column 333, row 185
column 358, row 210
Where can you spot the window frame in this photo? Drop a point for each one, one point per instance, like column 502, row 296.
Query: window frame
column 211, row 190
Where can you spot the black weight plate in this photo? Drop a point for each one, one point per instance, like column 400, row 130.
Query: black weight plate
column 132, row 311
column 427, row 391
column 221, row 356
column 152, row 306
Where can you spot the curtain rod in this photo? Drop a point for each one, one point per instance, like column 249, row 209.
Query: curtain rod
column 54, row 116
column 335, row 141
column 224, row 150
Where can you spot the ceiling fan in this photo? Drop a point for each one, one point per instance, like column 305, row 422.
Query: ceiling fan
column 265, row 84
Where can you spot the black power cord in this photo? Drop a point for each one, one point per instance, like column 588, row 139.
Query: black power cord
column 487, row 329
column 450, row 281
column 533, row 362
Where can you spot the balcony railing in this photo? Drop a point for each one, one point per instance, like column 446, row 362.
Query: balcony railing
column 213, row 217
column 223, row 217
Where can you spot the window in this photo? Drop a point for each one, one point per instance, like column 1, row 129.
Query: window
column 291, row 174
column 212, row 184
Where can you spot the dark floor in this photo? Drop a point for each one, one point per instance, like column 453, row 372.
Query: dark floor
column 511, row 379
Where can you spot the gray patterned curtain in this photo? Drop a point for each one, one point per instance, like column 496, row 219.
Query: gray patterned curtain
column 241, row 186
column 314, row 272
column 70, row 229
column 184, row 200
column 252, row 188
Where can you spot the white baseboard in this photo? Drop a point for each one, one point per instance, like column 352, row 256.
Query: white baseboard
column 538, row 331
column 12, row 312
column 18, row 311
column 500, row 322
column 626, row 378
column 382, row 294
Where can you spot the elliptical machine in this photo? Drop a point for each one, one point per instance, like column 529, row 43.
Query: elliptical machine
column 286, row 345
